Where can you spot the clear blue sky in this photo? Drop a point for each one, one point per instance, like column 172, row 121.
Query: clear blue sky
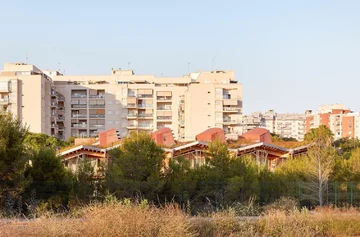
column 289, row 55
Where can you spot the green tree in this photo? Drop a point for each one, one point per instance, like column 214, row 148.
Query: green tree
column 50, row 180
column 13, row 156
column 136, row 168
column 321, row 135
column 36, row 141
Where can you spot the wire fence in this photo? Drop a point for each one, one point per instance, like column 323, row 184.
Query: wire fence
column 195, row 195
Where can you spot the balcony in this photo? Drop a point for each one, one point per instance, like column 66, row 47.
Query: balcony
column 61, row 108
column 79, row 116
column 54, row 93
column 231, row 110
column 145, row 116
column 230, row 121
column 145, row 126
column 97, row 106
column 97, row 96
column 53, row 125
column 131, row 115
column 164, row 108
column 182, row 123
column 145, row 96
column 145, row 105
column 53, row 104
column 78, row 95
column 131, row 125
column 130, row 94
column 164, row 117
column 60, row 118
column 96, row 115
column 76, row 106
column 131, row 105
column 97, row 126
column 79, row 125
column 164, row 98
column 4, row 101
column 61, row 98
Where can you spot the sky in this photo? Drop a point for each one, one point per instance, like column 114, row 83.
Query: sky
column 289, row 55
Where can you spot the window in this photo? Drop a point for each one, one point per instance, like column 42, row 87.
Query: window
column 208, row 103
column 209, row 92
column 110, row 112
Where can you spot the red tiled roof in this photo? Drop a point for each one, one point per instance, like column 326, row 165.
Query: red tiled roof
column 256, row 131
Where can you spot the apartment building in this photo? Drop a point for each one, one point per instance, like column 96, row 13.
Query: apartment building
column 290, row 126
column 83, row 106
column 285, row 125
column 339, row 119
column 28, row 93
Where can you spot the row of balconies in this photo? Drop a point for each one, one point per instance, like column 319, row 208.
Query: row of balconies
column 90, row 116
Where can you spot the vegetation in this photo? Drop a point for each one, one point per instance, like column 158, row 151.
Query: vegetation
column 33, row 179
column 125, row 218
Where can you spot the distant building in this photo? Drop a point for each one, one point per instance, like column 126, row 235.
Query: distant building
column 339, row 119
column 285, row 125
column 83, row 106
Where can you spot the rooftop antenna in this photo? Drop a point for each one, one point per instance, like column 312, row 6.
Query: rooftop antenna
column 59, row 66
column 188, row 67
column 26, row 61
column 128, row 65
column 212, row 64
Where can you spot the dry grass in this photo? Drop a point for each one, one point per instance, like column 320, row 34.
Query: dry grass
column 126, row 219
column 111, row 219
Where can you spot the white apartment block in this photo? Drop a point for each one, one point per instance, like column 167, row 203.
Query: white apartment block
column 285, row 125
column 82, row 106
column 290, row 126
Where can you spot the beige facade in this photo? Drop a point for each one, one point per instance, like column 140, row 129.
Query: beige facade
column 27, row 92
column 82, row 106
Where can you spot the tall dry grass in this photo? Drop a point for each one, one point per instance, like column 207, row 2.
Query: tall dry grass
column 123, row 218
column 110, row 219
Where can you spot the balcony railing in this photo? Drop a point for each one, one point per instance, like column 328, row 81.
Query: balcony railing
column 97, row 115
column 164, row 98
column 79, row 96
column 145, row 105
column 164, row 108
column 79, row 106
column 164, row 117
column 61, row 98
column 133, row 125
column 131, row 94
column 53, row 104
column 235, row 109
column 4, row 100
column 97, row 96
column 145, row 125
column 145, row 96
column 60, row 118
column 79, row 125
column 132, row 115
column 131, row 105
column 54, row 125
column 226, row 120
column 145, row 115
column 79, row 115
column 97, row 125
column 96, row 106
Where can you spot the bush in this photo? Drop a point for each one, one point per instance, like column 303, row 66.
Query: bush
column 283, row 204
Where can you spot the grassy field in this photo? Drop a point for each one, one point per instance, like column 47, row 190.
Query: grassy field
column 127, row 219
